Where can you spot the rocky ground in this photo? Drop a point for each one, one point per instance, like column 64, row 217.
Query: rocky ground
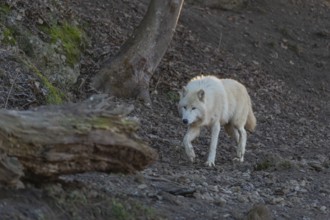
column 279, row 49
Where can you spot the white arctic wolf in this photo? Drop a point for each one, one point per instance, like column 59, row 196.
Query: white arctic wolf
column 209, row 101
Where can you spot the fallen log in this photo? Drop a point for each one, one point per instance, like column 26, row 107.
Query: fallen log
column 53, row 140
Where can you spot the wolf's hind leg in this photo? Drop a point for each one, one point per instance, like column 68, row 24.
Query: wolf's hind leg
column 214, row 143
column 241, row 144
column 236, row 135
column 191, row 134
column 232, row 132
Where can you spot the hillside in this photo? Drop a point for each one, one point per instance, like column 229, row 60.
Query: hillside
column 279, row 49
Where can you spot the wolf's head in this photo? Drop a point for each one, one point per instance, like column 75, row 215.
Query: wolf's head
column 191, row 106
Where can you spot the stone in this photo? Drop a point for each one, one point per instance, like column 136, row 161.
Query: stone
column 220, row 201
column 323, row 208
column 142, row 186
column 242, row 199
column 214, row 188
column 277, row 200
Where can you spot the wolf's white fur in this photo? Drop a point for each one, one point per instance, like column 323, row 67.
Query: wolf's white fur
column 209, row 101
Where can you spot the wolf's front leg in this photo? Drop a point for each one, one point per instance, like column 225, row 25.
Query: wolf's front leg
column 191, row 134
column 241, row 144
column 214, row 143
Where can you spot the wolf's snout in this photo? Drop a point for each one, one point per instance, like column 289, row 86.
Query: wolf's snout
column 185, row 121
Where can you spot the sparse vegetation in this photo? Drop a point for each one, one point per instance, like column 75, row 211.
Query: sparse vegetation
column 173, row 96
column 295, row 48
column 119, row 211
column 54, row 96
column 271, row 44
column 264, row 165
column 4, row 9
column 130, row 210
column 273, row 164
column 284, row 165
column 284, row 31
column 95, row 203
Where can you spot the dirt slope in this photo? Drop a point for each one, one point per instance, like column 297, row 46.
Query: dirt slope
column 280, row 50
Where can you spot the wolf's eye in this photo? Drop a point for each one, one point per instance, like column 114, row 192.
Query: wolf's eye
column 185, row 107
column 193, row 108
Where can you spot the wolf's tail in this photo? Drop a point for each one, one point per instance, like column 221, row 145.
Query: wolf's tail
column 251, row 121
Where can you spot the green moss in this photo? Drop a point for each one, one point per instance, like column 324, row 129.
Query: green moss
column 101, row 123
column 23, row 42
column 8, row 37
column 6, row 33
column 44, row 28
column 13, row 36
column 4, row 9
column 129, row 124
column 72, row 39
column 108, row 123
column 54, row 96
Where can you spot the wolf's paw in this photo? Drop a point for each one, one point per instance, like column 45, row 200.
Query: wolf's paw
column 240, row 159
column 240, row 155
column 191, row 155
column 210, row 163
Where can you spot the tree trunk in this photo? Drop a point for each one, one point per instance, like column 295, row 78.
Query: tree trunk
column 72, row 138
column 129, row 72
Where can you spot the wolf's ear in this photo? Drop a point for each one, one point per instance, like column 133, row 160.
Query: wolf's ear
column 200, row 95
column 183, row 92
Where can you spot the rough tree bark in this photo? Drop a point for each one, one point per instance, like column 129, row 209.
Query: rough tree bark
column 129, row 72
column 72, row 138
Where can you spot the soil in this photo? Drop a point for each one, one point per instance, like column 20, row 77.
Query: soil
column 280, row 50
